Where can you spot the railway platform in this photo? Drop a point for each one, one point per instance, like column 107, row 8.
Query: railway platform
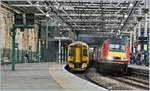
column 42, row 76
column 139, row 67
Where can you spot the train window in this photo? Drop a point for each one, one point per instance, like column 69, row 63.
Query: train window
column 72, row 52
column 116, row 47
column 84, row 52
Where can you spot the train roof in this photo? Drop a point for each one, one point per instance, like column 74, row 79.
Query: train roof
column 78, row 42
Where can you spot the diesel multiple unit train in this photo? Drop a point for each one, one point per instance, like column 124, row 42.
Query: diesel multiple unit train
column 111, row 56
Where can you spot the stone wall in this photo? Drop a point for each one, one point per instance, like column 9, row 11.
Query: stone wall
column 26, row 40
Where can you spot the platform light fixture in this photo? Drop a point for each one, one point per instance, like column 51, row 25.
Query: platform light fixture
column 99, row 29
column 125, row 16
column 37, row 4
column 47, row 15
column 60, row 33
column 46, row 7
column 121, row 24
column 131, row 5
column 59, row 24
column 84, row 29
column 112, row 31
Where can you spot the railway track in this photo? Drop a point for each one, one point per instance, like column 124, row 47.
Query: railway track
column 130, row 83
column 124, row 82
column 138, row 73
column 133, row 82
column 137, row 80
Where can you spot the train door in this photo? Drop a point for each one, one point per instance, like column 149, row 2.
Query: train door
column 78, row 54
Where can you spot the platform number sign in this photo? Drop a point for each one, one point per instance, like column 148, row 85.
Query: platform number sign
column 29, row 19
column 18, row 19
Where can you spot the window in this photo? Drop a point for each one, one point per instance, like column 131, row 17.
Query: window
column 72, row 52
column 116, row 47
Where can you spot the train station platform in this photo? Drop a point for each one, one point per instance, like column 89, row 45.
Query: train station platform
column 42, row 76
column 140, row 67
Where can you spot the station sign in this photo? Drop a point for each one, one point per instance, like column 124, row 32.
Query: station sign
column 62, row 38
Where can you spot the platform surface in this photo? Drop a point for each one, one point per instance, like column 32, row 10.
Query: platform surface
column 42, row 76
column 34, row 76
column 142, row 67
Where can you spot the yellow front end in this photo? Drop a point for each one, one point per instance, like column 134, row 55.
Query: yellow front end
column 117, row 54
column 78, row 62
column 114, row 57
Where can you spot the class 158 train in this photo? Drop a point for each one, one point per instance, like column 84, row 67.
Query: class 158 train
column 112, row 56
column 78, row 56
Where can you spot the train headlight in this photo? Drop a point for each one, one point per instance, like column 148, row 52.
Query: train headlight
column 109, row 58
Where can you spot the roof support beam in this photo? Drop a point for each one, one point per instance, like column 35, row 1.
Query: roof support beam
column 38, row 9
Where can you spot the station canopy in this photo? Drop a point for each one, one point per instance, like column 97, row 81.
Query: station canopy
column 82, row 15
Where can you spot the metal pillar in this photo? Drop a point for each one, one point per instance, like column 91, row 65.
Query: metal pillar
column 65, row 53
column 30, row 56
column 131, row 41
column 59, row 52
column 145, row 32
column 134, row 38
column 146, row 24
column 148, row 5
column 13, row 54
column 62, row 54
column 39, row 54
column 47, row 35
column 0, row 37
column 0, row 51
column 139, row 29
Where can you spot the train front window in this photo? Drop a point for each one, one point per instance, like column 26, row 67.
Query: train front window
column 72, row 52
column 116, row 47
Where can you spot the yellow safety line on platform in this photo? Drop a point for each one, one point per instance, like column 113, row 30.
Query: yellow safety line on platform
column 61, row 78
